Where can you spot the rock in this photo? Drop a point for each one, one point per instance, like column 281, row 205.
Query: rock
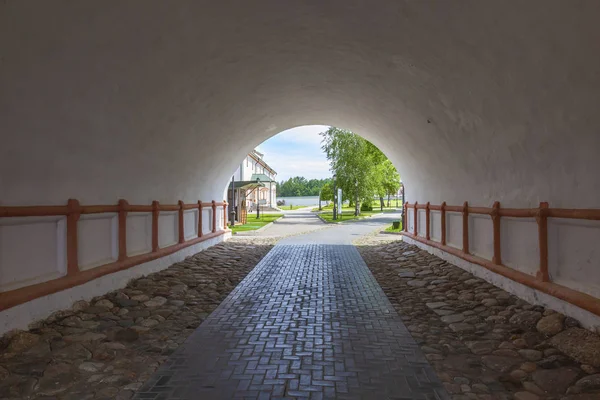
column 80, row 305
column 499, row 363
column 148, row 323
column 589, row 383
column 57, row 378
column 85, row 337
column 480, row 388
column 531, row 355
column 481, row 347
column 555, row 380
column 416, row 283
column 571, row 323
column 3, row 373
column 436, row 305
column 489, row 302
column 518, row 374
column 528, row 366
column 73, row 351
column 588, row 369
column 580, row 344
column 526, row 396
column 450, row 319
column 520, row 343
column 104, row 303
column 140, row 298
column 461, row 327
column 533, row 388
column 126, row 335
column 551, row 324
column 505, row 353
column 526, row 318
column 91, row 366
column 555, row 361
column 155, row 302
column 21, row 342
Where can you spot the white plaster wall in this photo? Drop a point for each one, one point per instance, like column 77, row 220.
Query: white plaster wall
column 574, row 254
column 471, row 101
column 481, row 236
column 519, row 244
column 454, row 230
column 421, row 223
column 21, row 316
column 139, row 233
column 533, row 296
column 168, row 228
column 98, row 240
column 435, row 231
column 32, row 250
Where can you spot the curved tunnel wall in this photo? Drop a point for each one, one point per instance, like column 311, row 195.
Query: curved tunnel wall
column 153, row 100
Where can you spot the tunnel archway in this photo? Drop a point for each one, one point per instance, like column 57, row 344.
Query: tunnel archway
column 145, row 101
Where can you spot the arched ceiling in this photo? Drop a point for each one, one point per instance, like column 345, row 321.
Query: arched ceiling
column 143, row 100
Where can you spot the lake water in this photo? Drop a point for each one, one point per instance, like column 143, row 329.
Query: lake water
column 301, row 200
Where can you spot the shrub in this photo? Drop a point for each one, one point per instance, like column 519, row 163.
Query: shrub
column 366, row 206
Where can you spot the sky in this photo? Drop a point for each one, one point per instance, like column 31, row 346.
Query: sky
column 297, row 152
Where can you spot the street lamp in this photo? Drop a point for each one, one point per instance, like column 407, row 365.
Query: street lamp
column 335, row 210
column 232, row 213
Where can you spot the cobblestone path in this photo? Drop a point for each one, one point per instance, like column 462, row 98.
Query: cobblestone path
column 309, row 321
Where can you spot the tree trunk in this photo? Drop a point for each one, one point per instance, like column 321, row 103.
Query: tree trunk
column 381, row 202
column 388, row 200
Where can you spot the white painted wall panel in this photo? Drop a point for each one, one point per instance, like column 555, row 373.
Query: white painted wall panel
column 190, row 224
column 454, row 229
column 421, row 223
column 410, row 218
column 574, row 254
column 32, row 250
column 168, row 233
column 139, row 233
column 206, row 220
column 519, row 244
column 436, row 225
column 97, row 240
column 481, row 236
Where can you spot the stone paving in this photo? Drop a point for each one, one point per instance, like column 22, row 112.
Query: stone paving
column 309, row 321
column 107, row 348
column 483, row 342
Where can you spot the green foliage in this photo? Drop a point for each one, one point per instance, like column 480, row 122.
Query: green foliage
column 300, row 186
column 327, row 192
column 361, row 169
column 366, row 206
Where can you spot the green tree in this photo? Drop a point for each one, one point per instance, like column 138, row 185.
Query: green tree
column 361, row 169
column 327, row 192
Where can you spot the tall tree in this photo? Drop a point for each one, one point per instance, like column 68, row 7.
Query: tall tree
column 361, row 169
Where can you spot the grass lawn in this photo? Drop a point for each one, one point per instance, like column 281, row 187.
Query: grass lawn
column 254, row 223
column 347, row 215
column 292, row 207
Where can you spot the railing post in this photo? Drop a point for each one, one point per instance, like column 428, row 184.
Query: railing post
column 415, row 219
column 74, row 212
column 542, row 221
column 180, row 222
column 443, row 221
column 465, row 215
column 155, row 214
column 427, row 220
column 405, row 216
column 199, row 218
column 497, row 258
column 214, row 216
column 224, row 214
column 123, row 207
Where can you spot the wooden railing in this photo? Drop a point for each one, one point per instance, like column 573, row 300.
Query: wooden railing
column 73, row 210
column 542, row 280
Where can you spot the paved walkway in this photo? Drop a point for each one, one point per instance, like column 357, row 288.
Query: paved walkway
column 309, row 321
